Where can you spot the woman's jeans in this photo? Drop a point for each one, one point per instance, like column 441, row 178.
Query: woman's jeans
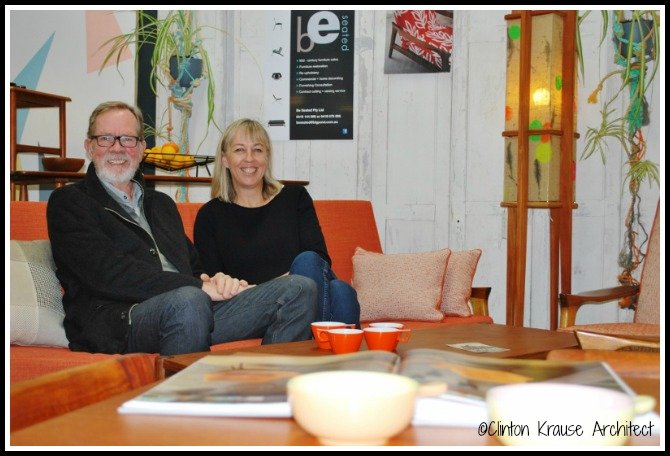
column 336, row 300
column 185, row 320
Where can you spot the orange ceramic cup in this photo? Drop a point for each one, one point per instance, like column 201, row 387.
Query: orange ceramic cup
column 343, row 340
column 319, row 326
column 380, row 338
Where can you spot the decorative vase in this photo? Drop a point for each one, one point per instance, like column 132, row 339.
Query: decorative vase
column 185, row 70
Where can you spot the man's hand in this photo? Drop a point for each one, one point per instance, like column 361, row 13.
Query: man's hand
column 222, row 286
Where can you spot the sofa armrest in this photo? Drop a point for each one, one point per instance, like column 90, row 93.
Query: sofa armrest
column 570, row 303
column 479, row 300
column 50, row 395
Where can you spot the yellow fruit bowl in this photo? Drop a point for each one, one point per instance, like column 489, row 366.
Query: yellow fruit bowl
column 175, row 162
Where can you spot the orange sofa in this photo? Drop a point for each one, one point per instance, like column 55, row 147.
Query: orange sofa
column 346, row 224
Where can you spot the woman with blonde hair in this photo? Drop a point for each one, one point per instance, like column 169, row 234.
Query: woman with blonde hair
column 257, row 229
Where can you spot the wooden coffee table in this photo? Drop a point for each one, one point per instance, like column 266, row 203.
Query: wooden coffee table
column 101, row 424
column 521, row 342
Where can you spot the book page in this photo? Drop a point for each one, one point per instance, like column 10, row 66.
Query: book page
column 471, row 376
column 245, row 385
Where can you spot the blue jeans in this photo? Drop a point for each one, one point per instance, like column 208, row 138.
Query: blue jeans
column 337, row 300
column 186, row 321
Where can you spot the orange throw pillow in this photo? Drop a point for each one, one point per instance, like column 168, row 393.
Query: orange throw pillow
column 457, row 288
column 402, row 286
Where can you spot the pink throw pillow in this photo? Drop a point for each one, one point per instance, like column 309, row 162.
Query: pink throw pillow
column 402, row 286
column 457, row 288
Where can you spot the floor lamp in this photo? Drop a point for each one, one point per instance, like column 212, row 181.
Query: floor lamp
column 540, row 118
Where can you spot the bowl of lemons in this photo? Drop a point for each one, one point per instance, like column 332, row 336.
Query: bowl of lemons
column 167, row 157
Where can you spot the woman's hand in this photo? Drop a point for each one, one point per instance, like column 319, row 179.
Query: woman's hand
column 222, row 286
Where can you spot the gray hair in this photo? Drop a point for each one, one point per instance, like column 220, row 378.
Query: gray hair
column 111, row 105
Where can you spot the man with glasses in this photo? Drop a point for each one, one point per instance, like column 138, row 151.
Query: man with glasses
column 132, row 278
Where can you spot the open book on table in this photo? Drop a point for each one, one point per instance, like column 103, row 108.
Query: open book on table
column 255, row 385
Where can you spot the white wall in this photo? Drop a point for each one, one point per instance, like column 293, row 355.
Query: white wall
column 428, row 153
column 427, row 149
column 64, row 73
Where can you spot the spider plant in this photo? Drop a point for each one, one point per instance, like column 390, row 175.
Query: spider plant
column 636, row 37
column 177, row 34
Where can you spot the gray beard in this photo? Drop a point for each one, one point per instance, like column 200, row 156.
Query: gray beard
column 115, row 178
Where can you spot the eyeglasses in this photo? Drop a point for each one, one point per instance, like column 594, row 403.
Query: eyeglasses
column 109, row 140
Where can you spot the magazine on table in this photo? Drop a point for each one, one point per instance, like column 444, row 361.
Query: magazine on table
column 251, row 385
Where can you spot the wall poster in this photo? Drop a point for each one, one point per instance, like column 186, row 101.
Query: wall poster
column 419, row 41
column 310, row 75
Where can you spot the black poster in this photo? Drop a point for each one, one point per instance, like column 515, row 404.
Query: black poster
column 322, row 75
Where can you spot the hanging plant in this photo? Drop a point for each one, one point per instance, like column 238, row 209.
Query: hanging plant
column 636, row 42
column 179, row 62
column 175, row 37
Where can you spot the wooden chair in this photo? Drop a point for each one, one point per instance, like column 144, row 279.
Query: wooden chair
column 645, row 328
column 51, row 395
column 631, row 349
column 422, row 39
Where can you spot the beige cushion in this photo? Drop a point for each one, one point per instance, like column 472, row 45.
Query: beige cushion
column 36, row 306
column 403, row 286
column 461, row 270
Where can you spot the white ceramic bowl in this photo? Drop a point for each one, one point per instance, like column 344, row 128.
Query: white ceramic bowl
column 352, row 407
column 385, row 324
column 549, row 414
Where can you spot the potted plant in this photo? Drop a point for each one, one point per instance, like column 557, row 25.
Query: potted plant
column 179, row 60
column 636, row 37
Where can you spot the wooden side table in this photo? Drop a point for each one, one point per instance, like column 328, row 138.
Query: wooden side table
column 21, row 98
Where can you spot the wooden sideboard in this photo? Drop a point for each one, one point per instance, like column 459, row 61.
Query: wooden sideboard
column 57, row 178
column 22, row 98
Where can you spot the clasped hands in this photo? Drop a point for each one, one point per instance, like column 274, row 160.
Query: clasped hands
column 221, row 286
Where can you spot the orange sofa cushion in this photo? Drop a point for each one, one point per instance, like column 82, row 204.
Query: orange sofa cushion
column 346, row 225
column 188, row 211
